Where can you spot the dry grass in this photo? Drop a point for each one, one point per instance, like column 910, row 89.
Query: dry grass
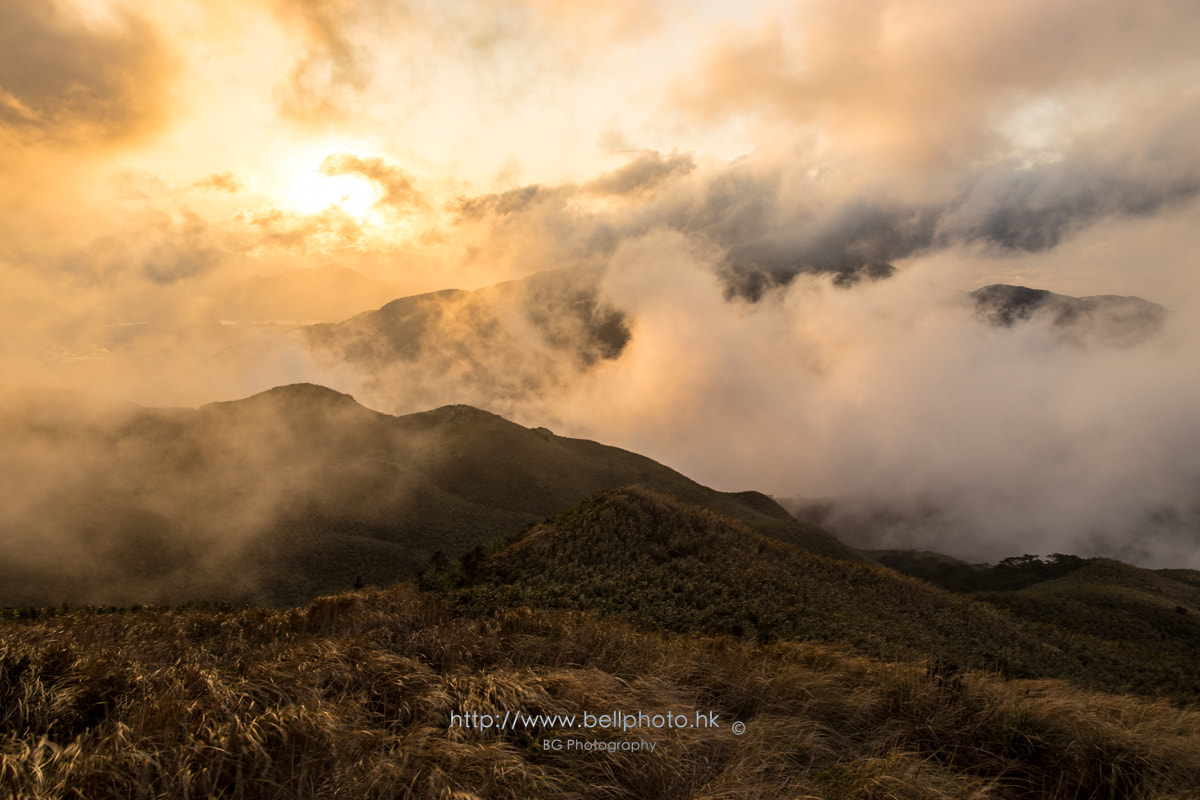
column 351, row 697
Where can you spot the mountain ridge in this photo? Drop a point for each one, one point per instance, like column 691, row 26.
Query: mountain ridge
column 298, row 491
column 1112, row 320
column 654, row 561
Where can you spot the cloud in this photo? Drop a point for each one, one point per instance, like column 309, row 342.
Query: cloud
column 895, row 396
column 1016, row 209
column 220, row 181
column 182, row 249
column 644, row 173
column 329, row 229
column 70, row 84
column 503, row 204
column 925, row 425
column 769, row 157
column 917, row 127
column 396, row 186
column 112, row 503
column 1144, row 171
column 323, row 84
column 931, row 84
column 773, row 220
column 157, row 244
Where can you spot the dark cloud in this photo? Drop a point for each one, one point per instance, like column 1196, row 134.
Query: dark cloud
column 1035, row 209
column 770, row 222
column 924, row 125
column 1025, row 210
column 769, row 230
column 398, row 191
column 853, row 242
column 155, row 246
column 169, row 247
column 502, row 204
column 181, row 248
column 63, row 82
column 768, row 235
column 645, row 172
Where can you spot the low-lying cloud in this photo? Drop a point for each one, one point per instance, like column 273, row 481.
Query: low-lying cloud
column 723, row 190
column 895, row 396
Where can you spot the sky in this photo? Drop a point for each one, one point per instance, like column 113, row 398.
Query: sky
column 156, row 157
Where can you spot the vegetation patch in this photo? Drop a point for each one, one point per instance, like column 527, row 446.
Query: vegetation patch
column 653, row 561
column 352, row 697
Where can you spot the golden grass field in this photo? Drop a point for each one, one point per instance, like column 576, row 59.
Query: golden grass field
column 350, row 697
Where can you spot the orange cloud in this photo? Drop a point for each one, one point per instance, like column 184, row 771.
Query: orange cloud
column 923, row 83
column 70, row 84
column 398, row 191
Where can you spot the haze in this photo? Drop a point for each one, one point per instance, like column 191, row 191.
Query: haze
column 712, row 168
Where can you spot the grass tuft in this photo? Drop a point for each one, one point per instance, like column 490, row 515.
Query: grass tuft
column 351, row 697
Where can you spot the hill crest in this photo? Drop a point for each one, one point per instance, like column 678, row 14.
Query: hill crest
column 297, row 491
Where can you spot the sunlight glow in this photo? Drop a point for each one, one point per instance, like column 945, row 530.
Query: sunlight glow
column 313, row 191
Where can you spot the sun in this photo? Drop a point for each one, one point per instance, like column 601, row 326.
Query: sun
column 313, row 191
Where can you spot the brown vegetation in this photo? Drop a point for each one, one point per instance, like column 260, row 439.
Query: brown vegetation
column 651, row 560
column 351, row 697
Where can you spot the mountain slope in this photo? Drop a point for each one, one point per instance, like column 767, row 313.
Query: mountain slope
column 500, row 343
column 1114, row 601
column 294, row 492
column 652, row 560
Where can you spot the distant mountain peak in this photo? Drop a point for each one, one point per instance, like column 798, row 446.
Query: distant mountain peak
column 299, row 392
column 1104, row 319
column 459, row 413
column 297, row 402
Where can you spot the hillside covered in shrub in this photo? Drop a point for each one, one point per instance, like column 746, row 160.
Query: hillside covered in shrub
column 353, row 697
column 657, row 562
